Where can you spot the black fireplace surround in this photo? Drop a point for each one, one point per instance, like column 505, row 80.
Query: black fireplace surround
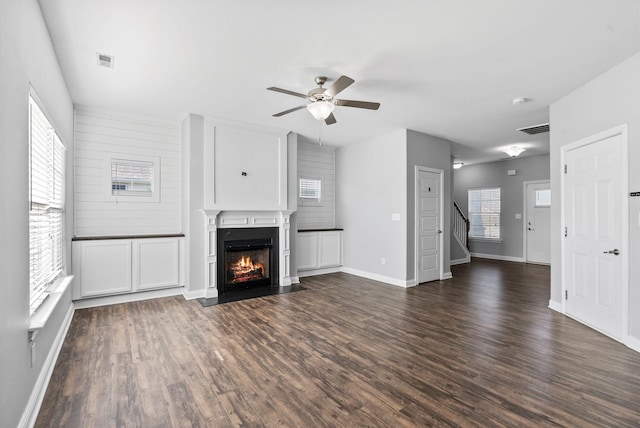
column 247, row 258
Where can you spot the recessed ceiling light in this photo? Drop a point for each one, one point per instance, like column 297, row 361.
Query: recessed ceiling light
column 105, row 60
column 519, row 100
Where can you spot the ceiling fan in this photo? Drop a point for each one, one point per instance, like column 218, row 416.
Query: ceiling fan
column 321, row 100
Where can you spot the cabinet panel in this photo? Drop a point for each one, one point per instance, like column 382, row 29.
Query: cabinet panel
column 156, row 263
column 307, row 253
column 105, row 268
column 329, row 249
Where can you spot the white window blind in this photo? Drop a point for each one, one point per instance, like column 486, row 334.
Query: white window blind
column 484, row 213
column 46, row 205
column 310, row 189
column 131, row 177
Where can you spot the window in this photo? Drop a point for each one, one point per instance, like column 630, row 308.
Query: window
column 131, row 178
column 543, row 197
column 484, row 213
column 46, row 205
column 310, row 189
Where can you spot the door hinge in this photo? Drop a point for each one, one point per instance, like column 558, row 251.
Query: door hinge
column 566, row 294
column 565, row 168
column 565, row 232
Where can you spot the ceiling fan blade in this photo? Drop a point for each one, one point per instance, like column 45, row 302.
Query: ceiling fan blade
column 338, row 86
column 286, row 91
column 330, row 120
column 357, row 104
column 282, row 113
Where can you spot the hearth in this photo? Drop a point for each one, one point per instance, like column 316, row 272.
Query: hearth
column 248, row 258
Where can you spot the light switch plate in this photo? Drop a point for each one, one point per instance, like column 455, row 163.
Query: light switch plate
column 518, row 216
column 395, row 217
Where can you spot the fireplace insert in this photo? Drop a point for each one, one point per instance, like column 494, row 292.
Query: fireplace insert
column 248, row 258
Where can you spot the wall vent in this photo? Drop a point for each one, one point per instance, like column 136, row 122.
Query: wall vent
column 105, row 60
column 535, row 129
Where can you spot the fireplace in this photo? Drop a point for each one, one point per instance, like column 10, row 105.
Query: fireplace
column 248, row 258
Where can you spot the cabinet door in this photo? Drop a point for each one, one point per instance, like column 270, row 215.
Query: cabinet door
column 307, row 251
column 330, row 249
column 105, row 267
column 156, row 263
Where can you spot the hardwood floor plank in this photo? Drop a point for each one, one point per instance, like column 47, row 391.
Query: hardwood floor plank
column 481, row 349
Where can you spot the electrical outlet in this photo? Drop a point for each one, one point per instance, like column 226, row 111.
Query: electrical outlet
column 382, row 261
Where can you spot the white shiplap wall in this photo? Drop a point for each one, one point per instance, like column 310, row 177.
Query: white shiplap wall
column 315, row 161
column 97, row 136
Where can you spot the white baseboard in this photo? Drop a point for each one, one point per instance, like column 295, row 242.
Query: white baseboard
column 40, row 388
column 380, row 278
column 295, row 280
column 556, row 306
column 498, row 257
column 460, row 261
column 446, row 275
column 314, row 272
column 126, row 298
column 633, row 343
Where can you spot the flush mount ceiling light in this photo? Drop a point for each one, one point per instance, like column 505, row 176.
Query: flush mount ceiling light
column 457, row 165
column 321, row 109
column 514, row 151
column 519, row 100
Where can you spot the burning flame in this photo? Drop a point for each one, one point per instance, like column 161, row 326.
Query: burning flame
column 245, row 269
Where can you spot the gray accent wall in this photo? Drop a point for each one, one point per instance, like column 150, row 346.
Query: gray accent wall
column 317, row 162
column 610, row 100
column 494, row 174
column 27, row 58
column 432, row 152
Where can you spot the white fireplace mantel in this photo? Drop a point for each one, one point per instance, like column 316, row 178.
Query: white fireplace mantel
column 218, row 219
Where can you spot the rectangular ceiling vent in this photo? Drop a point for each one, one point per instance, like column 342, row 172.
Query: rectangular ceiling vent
column 535, row 129
column 105, row 60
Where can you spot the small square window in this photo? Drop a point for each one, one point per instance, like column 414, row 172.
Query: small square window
column 310, row 189
column 543, row 198
column 131, row 178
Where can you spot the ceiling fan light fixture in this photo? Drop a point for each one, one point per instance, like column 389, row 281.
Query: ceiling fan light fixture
column 457, row 165
column 321, row 109
column 514, row 151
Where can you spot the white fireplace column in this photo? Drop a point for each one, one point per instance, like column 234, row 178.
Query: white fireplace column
column 216, row 219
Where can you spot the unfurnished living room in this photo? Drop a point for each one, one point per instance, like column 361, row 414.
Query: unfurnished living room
column 246, row 213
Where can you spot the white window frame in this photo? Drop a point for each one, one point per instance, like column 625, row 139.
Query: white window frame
column 47, row 173
column 306, row 200
column 124, row 196
column 471, row 214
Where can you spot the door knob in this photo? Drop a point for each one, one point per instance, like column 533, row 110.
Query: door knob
column 530, row 228
column 615, row 252
column 439, row 231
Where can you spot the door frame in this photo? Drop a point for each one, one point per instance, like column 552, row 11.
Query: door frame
column 621, row 130
column 416, row 220
column 525, row 215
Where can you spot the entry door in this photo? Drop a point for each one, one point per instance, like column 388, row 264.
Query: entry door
column 595, row 220
column 538, row 223
column 429, row 227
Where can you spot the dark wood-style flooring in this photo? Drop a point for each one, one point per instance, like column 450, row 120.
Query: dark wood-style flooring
column 481, row 349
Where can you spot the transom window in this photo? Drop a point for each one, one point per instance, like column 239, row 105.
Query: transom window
column 484, row 213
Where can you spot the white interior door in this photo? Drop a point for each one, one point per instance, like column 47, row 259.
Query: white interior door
column 595, row 217
column 538, row 223
column 429, row 227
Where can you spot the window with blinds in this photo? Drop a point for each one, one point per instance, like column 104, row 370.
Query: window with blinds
column 46, row 205
column 310, row 189
column 484, row 213
column 130, row 177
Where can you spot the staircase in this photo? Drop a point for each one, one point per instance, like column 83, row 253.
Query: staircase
column 460, row 227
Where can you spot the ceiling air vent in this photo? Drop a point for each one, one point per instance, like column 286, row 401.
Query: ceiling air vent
column 535, row 129
column 105, row 60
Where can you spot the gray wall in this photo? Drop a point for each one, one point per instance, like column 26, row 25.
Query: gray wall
column 432, row 152
column 27, row 56
column 315, row 161
column 494, row 174
column 371, row 182
column 609, row 100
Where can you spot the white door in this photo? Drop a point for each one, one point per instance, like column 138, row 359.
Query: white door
column 538, row 223
column 429, row 228
column 595, row 219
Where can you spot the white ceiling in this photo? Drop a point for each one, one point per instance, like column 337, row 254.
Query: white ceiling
column 443, row 67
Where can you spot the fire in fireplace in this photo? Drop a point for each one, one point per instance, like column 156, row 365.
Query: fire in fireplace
column 249, row 258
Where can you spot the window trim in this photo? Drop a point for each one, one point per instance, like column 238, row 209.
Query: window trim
column 109, row 158
column 484, row 238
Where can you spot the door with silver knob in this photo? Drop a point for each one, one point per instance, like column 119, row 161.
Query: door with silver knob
column 538, row 216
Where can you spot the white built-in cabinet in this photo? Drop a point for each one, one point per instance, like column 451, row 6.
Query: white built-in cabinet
column 318, row 251
column 104, row 267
